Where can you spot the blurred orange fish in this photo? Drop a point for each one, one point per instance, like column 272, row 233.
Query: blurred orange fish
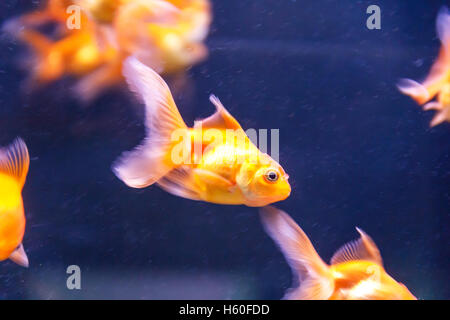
column 438, row 81
column 224, row 170
column 14, row 162
column 166, row 35
column 356, row 271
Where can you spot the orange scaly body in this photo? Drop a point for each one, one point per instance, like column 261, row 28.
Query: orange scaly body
column 14, row 162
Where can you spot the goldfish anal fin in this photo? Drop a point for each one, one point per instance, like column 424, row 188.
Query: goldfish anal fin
column 180, row 182
column 362, row 249
column 210, row 178
column 306, row 265
column 221, row 119
column 15, row 160
column 19, row 256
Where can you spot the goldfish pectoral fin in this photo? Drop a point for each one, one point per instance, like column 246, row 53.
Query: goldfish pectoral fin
column 221, row 119
column 439, row 118
column 210, row 178
column 434, row 105
column 362, row 249
column 153, row 159
column 15, row 160
column 180, row 182
column 20, row 257
column 413, row 89
column 295, row 245
column 311, row 289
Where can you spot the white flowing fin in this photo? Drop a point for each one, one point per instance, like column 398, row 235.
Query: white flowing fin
column 19, row 256
column 362, row 249
column 315, row 279
column 147, row 163
column 15, row 161
column 180, row 182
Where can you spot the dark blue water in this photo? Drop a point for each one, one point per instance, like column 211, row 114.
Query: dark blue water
column 358, row 152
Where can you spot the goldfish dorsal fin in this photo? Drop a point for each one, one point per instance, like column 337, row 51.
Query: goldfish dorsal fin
column 362, row 249
column 14, row 160
column 221, row 119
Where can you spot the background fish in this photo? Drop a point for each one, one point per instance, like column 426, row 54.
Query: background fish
column 356, row 271
column 438, row 80
column 166, row 36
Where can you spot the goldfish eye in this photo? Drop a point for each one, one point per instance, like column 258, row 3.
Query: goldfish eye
column 271, row 176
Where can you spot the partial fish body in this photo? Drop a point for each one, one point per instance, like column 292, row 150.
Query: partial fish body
column 14, row 162
column 437, row 83
column 356, row 271
column 167, row 37
column 197, row 163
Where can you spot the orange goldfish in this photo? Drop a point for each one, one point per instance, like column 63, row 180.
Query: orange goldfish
column 14, row 162
column 166, row 35
column 437, row 82
column 356, row 271
column 225, row 171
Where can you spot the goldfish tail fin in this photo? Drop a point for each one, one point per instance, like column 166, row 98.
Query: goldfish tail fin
column 20, row 257
column 316, row 282
column 15, row 160
column 150, row 161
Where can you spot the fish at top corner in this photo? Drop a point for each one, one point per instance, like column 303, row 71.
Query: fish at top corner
column 213, row 161
column 437, row 83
